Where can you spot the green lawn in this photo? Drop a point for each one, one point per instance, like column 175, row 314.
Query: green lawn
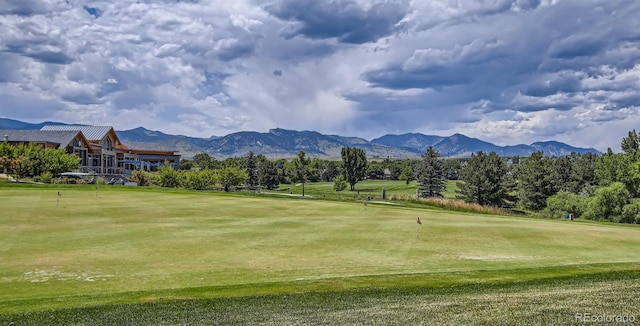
column 371, row 188
column 128, row 246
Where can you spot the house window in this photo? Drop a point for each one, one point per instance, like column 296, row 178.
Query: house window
column 107, row 144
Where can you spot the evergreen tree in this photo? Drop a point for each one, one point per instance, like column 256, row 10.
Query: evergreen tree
column 431, row 175
column 537, row 181
column 354, row 162
column 251, row 169
column 484, row 180
column 267, row 173
column 631, row 145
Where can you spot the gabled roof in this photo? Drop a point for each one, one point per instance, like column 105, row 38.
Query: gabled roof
column 62, row 138
column 90, row 132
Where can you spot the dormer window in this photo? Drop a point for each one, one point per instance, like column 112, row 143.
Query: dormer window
column 107, row 144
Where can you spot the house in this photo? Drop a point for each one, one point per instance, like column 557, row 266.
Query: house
column 72, row 141
column 110, row 156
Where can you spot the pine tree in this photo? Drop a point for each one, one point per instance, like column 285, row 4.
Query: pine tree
column 484, row 180
column 267, row 173
column 431, row 175
column 537, row 181
column 251, row 169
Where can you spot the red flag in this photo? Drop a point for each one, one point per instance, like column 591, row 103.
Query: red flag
column 419, row 222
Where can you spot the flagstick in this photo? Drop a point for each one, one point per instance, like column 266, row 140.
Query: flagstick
column 418, row 233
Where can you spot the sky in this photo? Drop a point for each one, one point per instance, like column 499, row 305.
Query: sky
column 504, row 71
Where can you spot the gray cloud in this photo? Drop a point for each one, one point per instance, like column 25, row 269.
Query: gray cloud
column 504, row 69
column 50, row 57
column 345, row 20
column 21, row 7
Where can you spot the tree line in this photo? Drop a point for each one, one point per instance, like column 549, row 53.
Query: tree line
column 32, row 160
column 605, row 187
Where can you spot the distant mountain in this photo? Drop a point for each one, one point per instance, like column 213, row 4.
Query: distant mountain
column 411, row 140
column 554, row 148
column 277, row 143
column 459, row 145
column 287, row 143
column 10, row 124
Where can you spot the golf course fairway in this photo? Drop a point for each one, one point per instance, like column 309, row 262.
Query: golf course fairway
column 128, row 255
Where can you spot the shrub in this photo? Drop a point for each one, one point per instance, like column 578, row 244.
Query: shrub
column 631, row 212
column 453, row 204
column 46, row 177
column 200, row 180
column 565, row 202
column 142, row 178
column 608, row 202
column 169, row 177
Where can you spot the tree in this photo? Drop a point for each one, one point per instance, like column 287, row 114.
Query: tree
column 614, row 167
column 231, row 177
column 204, row 161
column 608, row 203
column 631, row 145
column 375, row 170
column 267, row 173
column 583, row 172
column 331, row 170
column 300, row 164
column 252, row 170
column 537, row 181
column 169, row 177
column 407, row 174
column 431, row 175
column 339, row 184
column 199, row 180
column 484, row 180
column 354, row 161
column 565, row 202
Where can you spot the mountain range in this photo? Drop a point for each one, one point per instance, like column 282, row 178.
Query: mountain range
column 278, row 143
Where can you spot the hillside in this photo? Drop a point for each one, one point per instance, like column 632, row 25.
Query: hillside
column 278, row 143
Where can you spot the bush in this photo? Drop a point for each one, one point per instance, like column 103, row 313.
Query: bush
column 631, row 212
column 46, row 177
column 200, row 180
column 169, row 177
column 565, row 202
column 142, row 178
column 608, row 202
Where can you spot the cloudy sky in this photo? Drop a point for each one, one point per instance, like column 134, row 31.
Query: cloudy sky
column 505, row 71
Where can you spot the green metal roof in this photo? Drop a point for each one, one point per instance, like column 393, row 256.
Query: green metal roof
column 62, row 138
column 90, row 132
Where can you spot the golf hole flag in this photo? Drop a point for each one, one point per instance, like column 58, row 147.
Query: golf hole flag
column 419, row 222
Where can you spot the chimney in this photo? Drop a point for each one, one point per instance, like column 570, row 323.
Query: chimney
column 6, row 137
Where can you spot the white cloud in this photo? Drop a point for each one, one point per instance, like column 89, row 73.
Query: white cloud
column 504, row 71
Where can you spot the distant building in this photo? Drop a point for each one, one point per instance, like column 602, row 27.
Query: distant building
column 98, row 147
column 72, row 141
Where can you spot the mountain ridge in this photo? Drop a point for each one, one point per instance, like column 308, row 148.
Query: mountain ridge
column 284, row 143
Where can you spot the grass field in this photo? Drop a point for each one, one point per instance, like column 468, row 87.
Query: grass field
column 156, row 256
column 371, row 188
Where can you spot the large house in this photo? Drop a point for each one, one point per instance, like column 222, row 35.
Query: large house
column 99, row 148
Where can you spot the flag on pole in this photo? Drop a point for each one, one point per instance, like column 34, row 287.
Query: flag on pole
column 419, row 222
